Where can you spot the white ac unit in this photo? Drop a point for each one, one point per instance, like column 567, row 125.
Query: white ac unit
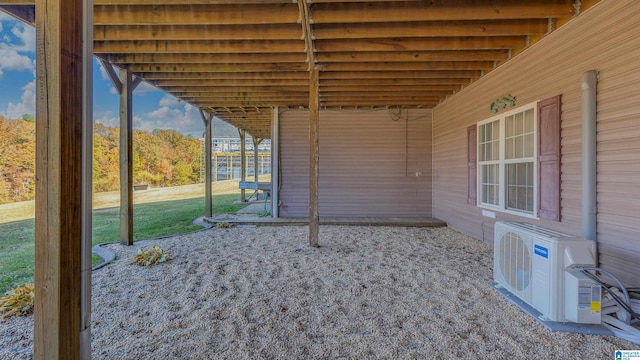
column 532, row 262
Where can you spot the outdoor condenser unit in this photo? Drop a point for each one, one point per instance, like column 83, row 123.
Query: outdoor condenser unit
column 535, row 265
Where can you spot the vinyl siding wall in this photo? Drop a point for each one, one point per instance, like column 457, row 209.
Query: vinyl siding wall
column 368, row 164
column 606, row 38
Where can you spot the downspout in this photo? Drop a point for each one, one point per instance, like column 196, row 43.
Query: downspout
column 589, row 161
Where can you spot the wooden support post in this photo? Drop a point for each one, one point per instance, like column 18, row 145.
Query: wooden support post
column 60, row 181
column 215, row 167
column 256, row 142
column 208, row 205
column 314, row 129
column 243, row 163
column 87, row 179
column 125, row 85
column 126, row 158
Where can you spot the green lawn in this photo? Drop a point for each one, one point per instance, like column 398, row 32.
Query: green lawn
column 150, row 220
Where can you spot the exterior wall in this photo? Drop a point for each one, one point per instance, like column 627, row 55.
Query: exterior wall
column 606, row 38
column 368, row 164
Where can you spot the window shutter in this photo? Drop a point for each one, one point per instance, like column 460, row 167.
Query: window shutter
column 549, row 158
column 472, row 147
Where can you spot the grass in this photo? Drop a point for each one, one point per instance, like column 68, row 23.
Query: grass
column 150, row 220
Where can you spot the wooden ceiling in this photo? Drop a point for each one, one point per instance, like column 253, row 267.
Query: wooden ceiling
column 239, row 58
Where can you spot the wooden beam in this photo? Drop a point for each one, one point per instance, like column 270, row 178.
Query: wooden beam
column 409, row 66
column 379, row 103
column 423, row 44
column 111, row 73
column 418, row 56
column 199, row 32
column 197, row 58
column 178, row 84
column 457, row 81
column 314, row 135
column 197, row 14
column 87, row 175
column 59, row 181
column 184, row 90
column 203, row 77
column 126, row 157
column 256, row 143
column 384, row 12
column 435, row 74
column 240, row 94
column 164, row 2
column 431, row 29
column 26, row 13
column 217, row 68
column 307, row 32
column 446, row 89
column 199, row 46
column 208, row 205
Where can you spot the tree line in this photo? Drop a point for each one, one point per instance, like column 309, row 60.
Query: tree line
column 160, row 158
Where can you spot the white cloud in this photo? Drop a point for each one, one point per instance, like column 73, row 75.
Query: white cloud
column 169, row 100
column 10, row 50
column 27, row 105
column 26, row 35
column 11, row 60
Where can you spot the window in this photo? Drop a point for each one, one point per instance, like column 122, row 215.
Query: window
column 507, row 161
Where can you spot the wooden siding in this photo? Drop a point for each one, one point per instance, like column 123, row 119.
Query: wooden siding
column 368, row 164
column 605, row 38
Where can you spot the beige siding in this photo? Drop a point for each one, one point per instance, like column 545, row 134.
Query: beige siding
column 605, row 38
column 372, row 164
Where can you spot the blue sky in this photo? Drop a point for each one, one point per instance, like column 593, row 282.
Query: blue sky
column 152, row 108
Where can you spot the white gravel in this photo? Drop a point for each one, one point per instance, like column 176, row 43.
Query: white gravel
column 367, row 292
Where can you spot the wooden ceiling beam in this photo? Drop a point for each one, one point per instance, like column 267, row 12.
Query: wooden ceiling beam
column 227, row 83
column 395, row 82
column 202, row 77
column 217, row 68
column 431, row 29
column 387, row 88
column 261, row 102
column 409, row 66
column 379, row 99
column 198, row 46
column 441, row 11
column 423, row 44
column 197, row 58
column 406, row 56
column 196, row 14
column 197, row 32
column 241, row 94
column 399, row 74
column 364, row 94
column 163, row 2
column 379, row 104
column 181, row 90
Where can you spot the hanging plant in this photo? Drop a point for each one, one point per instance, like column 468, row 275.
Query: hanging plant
column 503, row 102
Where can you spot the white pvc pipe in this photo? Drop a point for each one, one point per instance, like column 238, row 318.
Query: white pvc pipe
column 275, row 162
column 589, row 161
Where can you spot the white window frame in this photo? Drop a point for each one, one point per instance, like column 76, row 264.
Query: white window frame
column 502, row 162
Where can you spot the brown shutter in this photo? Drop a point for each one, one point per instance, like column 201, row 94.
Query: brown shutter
column 472, row 147
column 549, row 158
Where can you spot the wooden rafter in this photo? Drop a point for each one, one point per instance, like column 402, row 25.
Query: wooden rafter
column 244, row 53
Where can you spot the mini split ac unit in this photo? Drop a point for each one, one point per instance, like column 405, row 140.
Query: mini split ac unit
column 535, row 264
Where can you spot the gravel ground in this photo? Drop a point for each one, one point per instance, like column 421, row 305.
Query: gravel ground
column 367, row 292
